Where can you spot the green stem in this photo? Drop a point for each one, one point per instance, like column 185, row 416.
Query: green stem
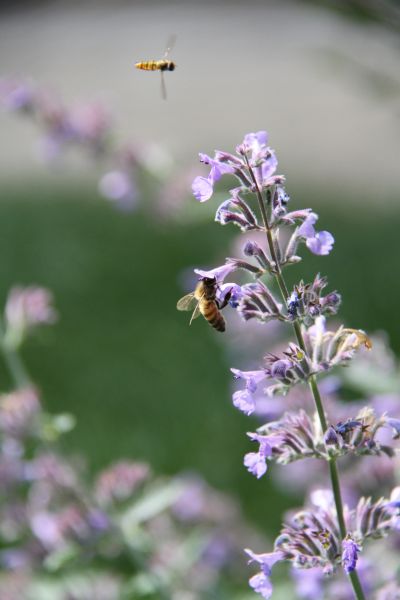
column 14, row 362
column 333, row 471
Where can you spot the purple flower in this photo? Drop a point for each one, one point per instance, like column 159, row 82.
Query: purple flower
column 261, row 158
column 261, row 582
column 235, row 293
column 202, row 189
column 256, row 461
column 330, row 436
column 218, row 168
column 219, row 273
column 395, row 424
column 255, row 143
column 350, row 554
column 243, row 399
column 319, row 243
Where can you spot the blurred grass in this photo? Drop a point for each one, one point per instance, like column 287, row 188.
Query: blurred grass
column 141, row 383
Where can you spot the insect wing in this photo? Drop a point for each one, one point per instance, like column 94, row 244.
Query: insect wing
column 170, row 44
column 163, row 87
column 188, row 302
column 196, row 313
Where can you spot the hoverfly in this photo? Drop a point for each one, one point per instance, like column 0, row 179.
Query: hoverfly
column 160, row 65
column 204, row 302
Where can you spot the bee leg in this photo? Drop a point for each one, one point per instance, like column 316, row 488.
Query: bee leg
column 222, row 305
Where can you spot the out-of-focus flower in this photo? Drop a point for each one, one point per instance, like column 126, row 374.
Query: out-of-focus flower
column 119, row 482
column 18, row 412
column 17, row 95
column 25, row 309
column 120, row 188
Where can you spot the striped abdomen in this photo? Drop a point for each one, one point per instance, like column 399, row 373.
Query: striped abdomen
column 210, row 312
column 156, row 65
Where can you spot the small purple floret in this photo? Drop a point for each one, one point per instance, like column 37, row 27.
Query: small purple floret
column 321, row 244
column 350, row 554
column 202, row 189
column 261, row 582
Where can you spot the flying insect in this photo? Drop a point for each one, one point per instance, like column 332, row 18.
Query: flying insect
column 162, row 65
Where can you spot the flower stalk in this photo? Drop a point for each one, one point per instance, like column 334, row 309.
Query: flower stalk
column 326, row 535
column 333, row 471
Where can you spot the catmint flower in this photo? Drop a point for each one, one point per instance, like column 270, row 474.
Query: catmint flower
column 261, row 581
column 329, row 348
column 235, row 293
column 257, row 302
column 320, row 243
column 291, row 368
column 243, row 399
column 256, row 462
column 253, row 249
column 219, row 273
column 203, row 187
column 280, row 199
column 236, row 210
column 306, row 301
column 218, row 167
column 299, row 437
column 330, row 436
column 350, row 554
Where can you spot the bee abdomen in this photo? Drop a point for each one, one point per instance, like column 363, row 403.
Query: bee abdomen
column 211, row 313
column 148, row 65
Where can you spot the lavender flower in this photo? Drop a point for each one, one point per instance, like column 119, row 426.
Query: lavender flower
column 256, row 461
column 261, row 581
column 320, row 243
column 350, row 554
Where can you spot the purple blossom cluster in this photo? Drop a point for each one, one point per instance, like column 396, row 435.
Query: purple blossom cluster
column 90, row 128
column 127, row 533
column 328, row 535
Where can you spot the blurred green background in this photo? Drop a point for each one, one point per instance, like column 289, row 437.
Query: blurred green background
column 141, row 383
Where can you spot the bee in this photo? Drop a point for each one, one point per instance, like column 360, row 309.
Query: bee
column 160, row 65
column 204, row 302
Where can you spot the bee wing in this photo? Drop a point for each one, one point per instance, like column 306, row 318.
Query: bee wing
column 163, row 87
column 170, row 44
column 196, row 313
column 188, row 302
